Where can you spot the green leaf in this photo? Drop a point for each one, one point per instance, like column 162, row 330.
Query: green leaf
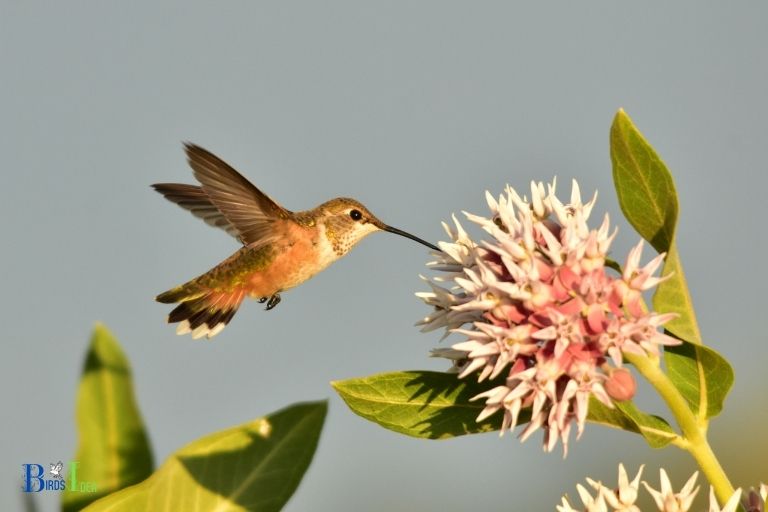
column 703, row 377
column 648, row 199
column 644, row 185
column 436, row 405
column 672, row 296
column 432, row 405
column 252, row 467
column 113, row 450
column 613, row 264
column 626, row 416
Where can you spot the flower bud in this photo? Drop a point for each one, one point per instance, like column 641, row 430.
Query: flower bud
column 621, row 385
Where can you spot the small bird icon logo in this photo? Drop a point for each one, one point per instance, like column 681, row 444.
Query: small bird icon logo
column 280, row 249
column 56, row 470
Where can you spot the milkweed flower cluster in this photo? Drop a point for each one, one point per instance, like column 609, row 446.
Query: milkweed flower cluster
column 623, row 498
column 542, row 314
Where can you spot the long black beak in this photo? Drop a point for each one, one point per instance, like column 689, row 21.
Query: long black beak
column 408, row 235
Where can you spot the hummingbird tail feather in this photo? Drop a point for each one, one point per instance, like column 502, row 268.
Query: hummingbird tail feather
column 183, row 293
column 201, row 312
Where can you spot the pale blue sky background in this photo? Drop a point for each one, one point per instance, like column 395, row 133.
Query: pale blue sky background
column 414, row 108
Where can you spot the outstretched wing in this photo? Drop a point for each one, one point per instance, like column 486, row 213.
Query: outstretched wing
column 194, row 199
column 248, row 209
column 226, row 199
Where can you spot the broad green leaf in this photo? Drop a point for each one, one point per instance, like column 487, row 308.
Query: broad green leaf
column 672, row 297
column 436, row 405
column 432, row 405
column 253, row 467
column 648, row 199
column 626, row 416
column 644, row 185
column 703, row 377
column 113, row 450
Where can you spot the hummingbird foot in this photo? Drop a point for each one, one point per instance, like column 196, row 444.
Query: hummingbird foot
column 262, row 300
column 273, row 301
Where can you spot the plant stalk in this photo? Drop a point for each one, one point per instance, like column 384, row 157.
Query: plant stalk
column 693, row 432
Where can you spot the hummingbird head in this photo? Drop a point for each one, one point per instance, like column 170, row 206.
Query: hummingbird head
column 347, row 222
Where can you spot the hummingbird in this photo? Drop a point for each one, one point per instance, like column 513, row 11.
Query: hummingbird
column 280, row 249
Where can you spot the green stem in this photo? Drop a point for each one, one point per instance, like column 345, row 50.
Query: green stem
column 695, row 438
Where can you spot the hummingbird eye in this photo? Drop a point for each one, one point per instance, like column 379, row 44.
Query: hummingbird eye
column 355, row 214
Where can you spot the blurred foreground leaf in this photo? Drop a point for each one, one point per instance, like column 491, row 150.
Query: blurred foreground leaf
column 648, row 199
column 252, row 467
column 703, row 377
column 113, row 450
column 28, row 502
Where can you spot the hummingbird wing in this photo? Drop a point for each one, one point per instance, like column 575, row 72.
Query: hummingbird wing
column 194, row 199
column 249, row 210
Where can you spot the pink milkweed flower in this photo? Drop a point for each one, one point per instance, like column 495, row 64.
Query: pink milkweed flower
column 542, row 315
